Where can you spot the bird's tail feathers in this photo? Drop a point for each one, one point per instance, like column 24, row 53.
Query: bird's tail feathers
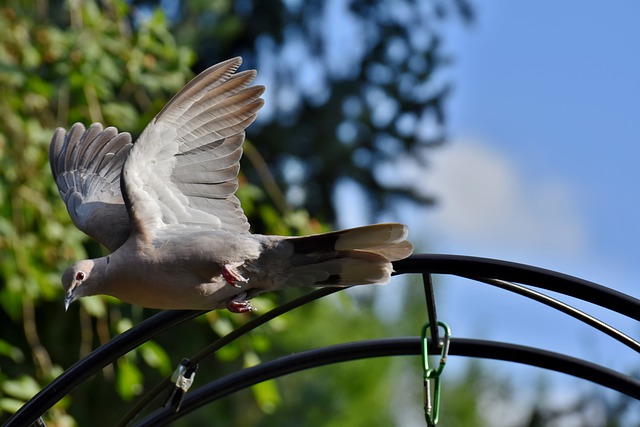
column 355, row 256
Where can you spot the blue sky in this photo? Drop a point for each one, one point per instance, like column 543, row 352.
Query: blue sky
column 541, row 168
column 542, row 165
column 553, row 87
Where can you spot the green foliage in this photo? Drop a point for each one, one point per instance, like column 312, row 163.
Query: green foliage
column 354, row 393
column 81, row 63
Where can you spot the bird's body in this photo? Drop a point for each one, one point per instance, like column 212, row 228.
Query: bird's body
column 166, row 208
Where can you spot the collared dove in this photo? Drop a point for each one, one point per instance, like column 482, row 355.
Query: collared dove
column 165, row 207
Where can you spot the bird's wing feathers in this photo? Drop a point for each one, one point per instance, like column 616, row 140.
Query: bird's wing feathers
column 183, row 168
column 86, row 165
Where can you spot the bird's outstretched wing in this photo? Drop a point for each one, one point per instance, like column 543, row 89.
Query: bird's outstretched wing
column 86, row 165
column 183, row 168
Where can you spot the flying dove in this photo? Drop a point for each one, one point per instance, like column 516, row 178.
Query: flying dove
column 165, row 208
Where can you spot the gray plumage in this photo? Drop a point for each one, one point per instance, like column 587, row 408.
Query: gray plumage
column 166, row 209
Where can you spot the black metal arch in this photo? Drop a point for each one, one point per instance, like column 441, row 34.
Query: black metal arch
column 494, row 272
column 408, row 346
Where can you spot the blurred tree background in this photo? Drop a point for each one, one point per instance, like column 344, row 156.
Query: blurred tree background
column 352, row 87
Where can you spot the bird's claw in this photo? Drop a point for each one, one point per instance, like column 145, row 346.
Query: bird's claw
column 239, row 304
column 231, row 275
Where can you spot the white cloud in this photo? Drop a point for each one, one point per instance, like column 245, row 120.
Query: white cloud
column 486, row 202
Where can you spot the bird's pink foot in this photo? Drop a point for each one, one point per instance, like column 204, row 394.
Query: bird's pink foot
column 231, row 275
column 239, row 304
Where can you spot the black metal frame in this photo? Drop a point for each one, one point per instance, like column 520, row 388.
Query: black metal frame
column 498, row 273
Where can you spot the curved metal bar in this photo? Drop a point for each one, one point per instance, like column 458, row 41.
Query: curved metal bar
column 218, row 344
column 465, row 266
column 564, row 308
column 393, row 347
column 95, row 361
column 476, row 267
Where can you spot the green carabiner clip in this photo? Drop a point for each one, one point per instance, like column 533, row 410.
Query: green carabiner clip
column 432, row 403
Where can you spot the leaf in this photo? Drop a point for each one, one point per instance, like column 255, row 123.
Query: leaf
column 23, row 388
column 94, row 305
column 266, row 393
column 121, row 113
column 128, row 379
column 229, row 352
column 260, row 342
column 14, row 353
column 124, row 325
column 221, row 325
column 156, row 357
column 10, row 405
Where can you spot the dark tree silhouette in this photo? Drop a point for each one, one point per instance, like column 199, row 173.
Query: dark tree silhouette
column 353, row 88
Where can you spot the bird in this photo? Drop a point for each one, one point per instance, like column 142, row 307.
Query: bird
column 165, row 207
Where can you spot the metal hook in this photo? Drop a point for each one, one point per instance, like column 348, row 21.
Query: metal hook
column 182, row 378
column 39, row 423
column 432, row 375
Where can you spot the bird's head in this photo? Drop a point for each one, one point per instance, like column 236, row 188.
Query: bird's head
column 77, row 281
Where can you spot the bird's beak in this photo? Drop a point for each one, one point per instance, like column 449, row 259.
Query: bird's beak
column 69, row 297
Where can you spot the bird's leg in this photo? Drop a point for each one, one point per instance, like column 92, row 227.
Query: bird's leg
column 231, row 275
column 239, row 304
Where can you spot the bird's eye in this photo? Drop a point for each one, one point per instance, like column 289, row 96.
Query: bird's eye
column 80, row 275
